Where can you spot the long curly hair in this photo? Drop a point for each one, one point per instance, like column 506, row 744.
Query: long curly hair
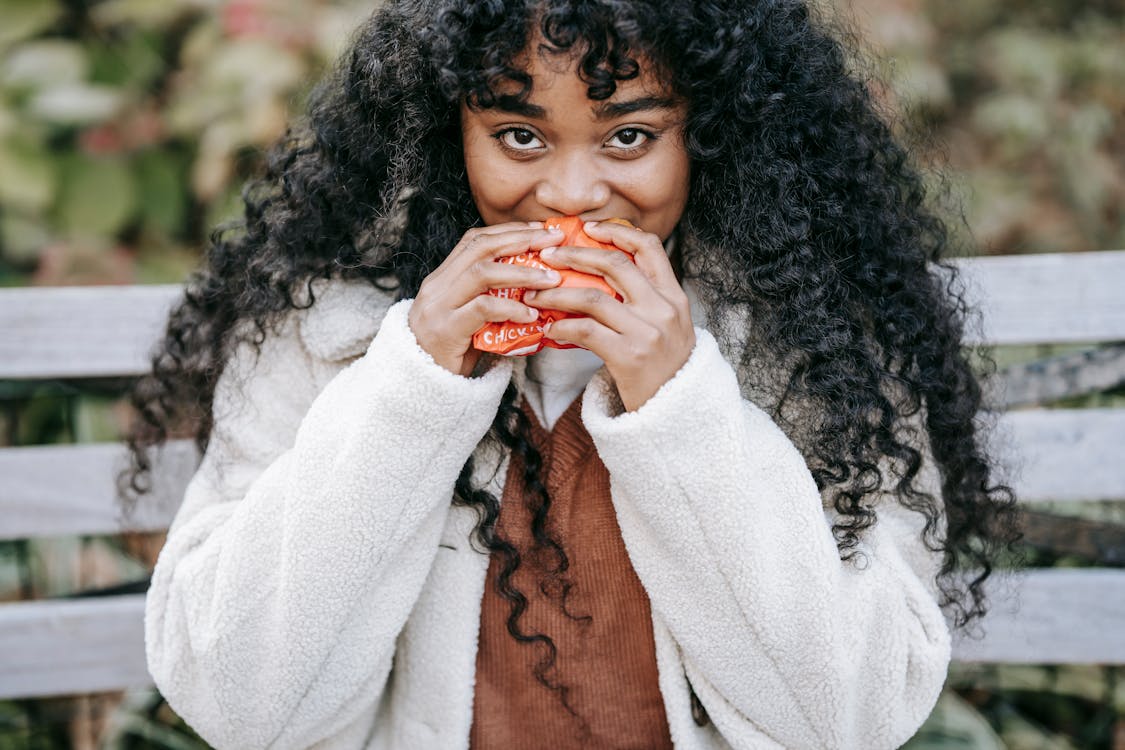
column 803, row 211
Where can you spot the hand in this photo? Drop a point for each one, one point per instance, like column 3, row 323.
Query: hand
column 644, row 339
column 452, row 302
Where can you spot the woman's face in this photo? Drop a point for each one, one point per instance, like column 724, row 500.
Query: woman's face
column 562, row 153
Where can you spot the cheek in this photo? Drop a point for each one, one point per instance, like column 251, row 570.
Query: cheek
column 495, row 193
column 495, row 187
column 662, row 191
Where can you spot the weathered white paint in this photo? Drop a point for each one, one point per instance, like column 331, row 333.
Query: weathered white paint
column 61, row 490
column 1049, row 454
column 73, row 332
column 90, row 645
column 1065, row 376
column 1050, row 298
column 109, row 330
column 1063, row 454
column 72, row 646
column 1052, row 616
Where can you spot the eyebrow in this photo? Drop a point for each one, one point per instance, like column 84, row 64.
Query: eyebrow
column 603, row 111
column 610, row 110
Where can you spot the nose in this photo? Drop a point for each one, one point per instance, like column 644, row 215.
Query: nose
column 572, row 185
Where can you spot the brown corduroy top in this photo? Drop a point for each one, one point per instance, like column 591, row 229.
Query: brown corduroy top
column 607, row 662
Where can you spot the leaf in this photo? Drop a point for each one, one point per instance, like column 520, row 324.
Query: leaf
column 26, row 18
column 214, row 164
column 145, row 14
column 22, row 238
column 157, row 735
column 95, row 419
column 997, row 203
column 1095, row 56
column 28, row 171
column 256, row 67
column 955, row 725
column 45, row 63
column 76, row 104
column 919, row 83
column 9, row 122
column 227, row 207
column 97, row 196
column 234, row 79
column 335, row 25
column 163, row 263
column 200, row 43
column 1088, row 181
column 133, row 61
column 1019, row 121
column 1088, row 125
column 163, row 195
column 1025, row 60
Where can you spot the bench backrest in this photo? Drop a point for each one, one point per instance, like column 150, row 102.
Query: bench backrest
column 54, row 647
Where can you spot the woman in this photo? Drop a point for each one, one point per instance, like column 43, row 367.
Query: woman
column 768, row 485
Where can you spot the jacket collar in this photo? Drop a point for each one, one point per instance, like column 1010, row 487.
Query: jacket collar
column 344, row 319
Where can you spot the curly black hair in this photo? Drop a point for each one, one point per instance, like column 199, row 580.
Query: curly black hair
column 804, row 211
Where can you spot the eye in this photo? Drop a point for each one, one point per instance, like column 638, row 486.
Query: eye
column 631, row 138
column 518, row 139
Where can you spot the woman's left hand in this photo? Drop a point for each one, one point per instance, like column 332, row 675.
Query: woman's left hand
column 643, row 340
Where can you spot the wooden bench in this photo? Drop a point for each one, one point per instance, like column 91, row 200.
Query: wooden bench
column 1065, row 616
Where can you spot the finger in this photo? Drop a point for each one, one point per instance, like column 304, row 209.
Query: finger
column 647, row 250
column 509, row 225
column 615, row 267
column 593, row 303
column 486, row 274
column 587, row 333
column 507, row 244
column 475, row 232
column 478, row 244
column 485, row 308
column 465, row 279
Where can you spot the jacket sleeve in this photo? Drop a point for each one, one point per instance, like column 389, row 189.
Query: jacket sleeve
column 306, row 535
column 726, row 529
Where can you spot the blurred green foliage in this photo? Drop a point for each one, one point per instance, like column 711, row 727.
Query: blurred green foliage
column 1022, row 103
column 127, row 127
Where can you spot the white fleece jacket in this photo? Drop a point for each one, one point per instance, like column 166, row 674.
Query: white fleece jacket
column 318, row 589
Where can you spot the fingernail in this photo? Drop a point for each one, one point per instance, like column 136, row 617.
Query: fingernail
column 547, row 252
column 529, row 294
column 554, row 230
column 551, row 276
column 591, row 224
column 532, row 314
column 535, row 224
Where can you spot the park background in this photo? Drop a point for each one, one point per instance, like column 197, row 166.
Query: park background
column 127, row 128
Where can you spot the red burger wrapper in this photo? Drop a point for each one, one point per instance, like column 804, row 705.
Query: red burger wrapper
column 520, row 339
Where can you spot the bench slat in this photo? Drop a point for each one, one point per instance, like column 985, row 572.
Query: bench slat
column 61, row 490
column 81, row 332
column 108, row 331
column 1053, row 616
column 72, row 647
column 1064, row 454
column 1064, row 376
column 90, row 645
column 1060, row 454
column 1050, row 298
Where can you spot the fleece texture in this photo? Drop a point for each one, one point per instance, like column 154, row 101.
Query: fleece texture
column 319, row 589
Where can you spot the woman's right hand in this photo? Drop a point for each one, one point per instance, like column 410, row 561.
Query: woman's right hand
column 452, row 303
